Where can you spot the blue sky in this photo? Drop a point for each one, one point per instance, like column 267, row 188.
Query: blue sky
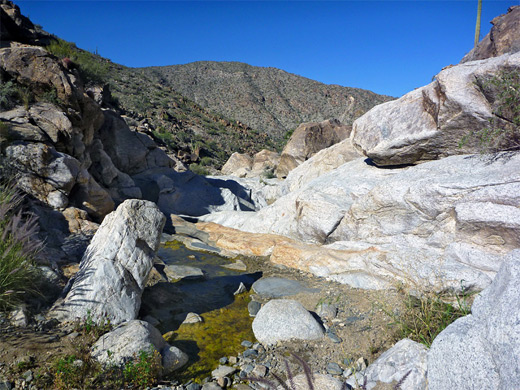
column 389, row 47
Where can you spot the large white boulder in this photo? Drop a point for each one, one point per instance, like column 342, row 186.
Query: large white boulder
column 482, row 350
column 429, row 123
column 116, row 265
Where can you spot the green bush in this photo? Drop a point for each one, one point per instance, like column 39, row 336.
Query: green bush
column 8, row 93
column 144, row 369
column 503, row 132
column 199, row 170
column 18, row 248
column 91, row 67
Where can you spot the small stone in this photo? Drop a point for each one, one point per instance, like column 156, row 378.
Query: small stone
column 237, row 266
column 5, row 385
column 334, row 369
column 259, row 347
column 176, row 272
column 348, row 372
column 28, row 376
column 347, row 361
column 334, row 337
column 327, row 310
column 247, row 368
column 223, row 360
column 253, row 308
column 20, row 317
column 193, row 386
column 211, row 386
column 250, row 353
column 259, row 371
column 241, row 289
column 224, row 382
column 192, row 318
column 222, row 371
column 246, row 343
column 361, row 364
column 233, row 360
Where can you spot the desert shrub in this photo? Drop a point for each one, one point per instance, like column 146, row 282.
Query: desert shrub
column 423, row 318
column 8, row 93
column 503, row 132
column 91, row 67
column 143, row 370
column 199, row 169
column 18, row 248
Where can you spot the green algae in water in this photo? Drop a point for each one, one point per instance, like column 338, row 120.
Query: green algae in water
column 221, row 334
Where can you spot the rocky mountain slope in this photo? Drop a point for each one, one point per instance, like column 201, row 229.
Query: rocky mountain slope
column 267, row 99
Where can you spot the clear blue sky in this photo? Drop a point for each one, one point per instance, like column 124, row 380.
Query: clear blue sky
column 389, row 47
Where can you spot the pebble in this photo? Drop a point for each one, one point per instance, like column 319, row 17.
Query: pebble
column 361, row 364
column 253, row 308
column 334, row 337
column 348, row 372
column 241, row 289
column 247, row 368
column 224, row 382
column 233, row 360
column 259, row 371
column 237, row 266
column 192, row 318
column 246, row 343
column 334, row 369
column 223, row 360
column 223, row 371
column 250, row 353
column 211, row 386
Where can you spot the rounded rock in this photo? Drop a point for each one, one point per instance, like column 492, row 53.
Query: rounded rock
column 285, row 319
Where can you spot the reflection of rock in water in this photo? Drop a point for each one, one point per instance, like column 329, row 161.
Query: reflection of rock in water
column 166, row 301
column 211, row 297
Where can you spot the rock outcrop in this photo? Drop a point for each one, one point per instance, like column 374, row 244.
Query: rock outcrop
column 307, row 140
column 483, row 348
column 263, row 163
column 433, row 224
column 503, row 38
column 16, row 27
column 430, row 122
column 116, row 265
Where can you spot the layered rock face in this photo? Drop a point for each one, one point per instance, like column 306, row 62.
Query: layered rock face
column 503, row 38
column 307, row 140
column 116, row 265
column 430, row 122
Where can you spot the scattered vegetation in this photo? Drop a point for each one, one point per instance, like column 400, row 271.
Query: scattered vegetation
column 144, row 369
column 18, row 248
column 423, row 318
column 92, row 67
column 503, row 132
column 78, row 370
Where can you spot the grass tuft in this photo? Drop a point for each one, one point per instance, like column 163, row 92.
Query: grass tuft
column 18, row 248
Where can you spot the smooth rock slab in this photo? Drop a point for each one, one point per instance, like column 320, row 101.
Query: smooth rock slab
column 285, row 319
column 279, row 287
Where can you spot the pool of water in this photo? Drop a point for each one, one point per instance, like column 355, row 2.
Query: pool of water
column 226, row 319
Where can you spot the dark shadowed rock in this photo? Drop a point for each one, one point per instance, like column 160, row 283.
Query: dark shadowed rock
column 503, row 38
